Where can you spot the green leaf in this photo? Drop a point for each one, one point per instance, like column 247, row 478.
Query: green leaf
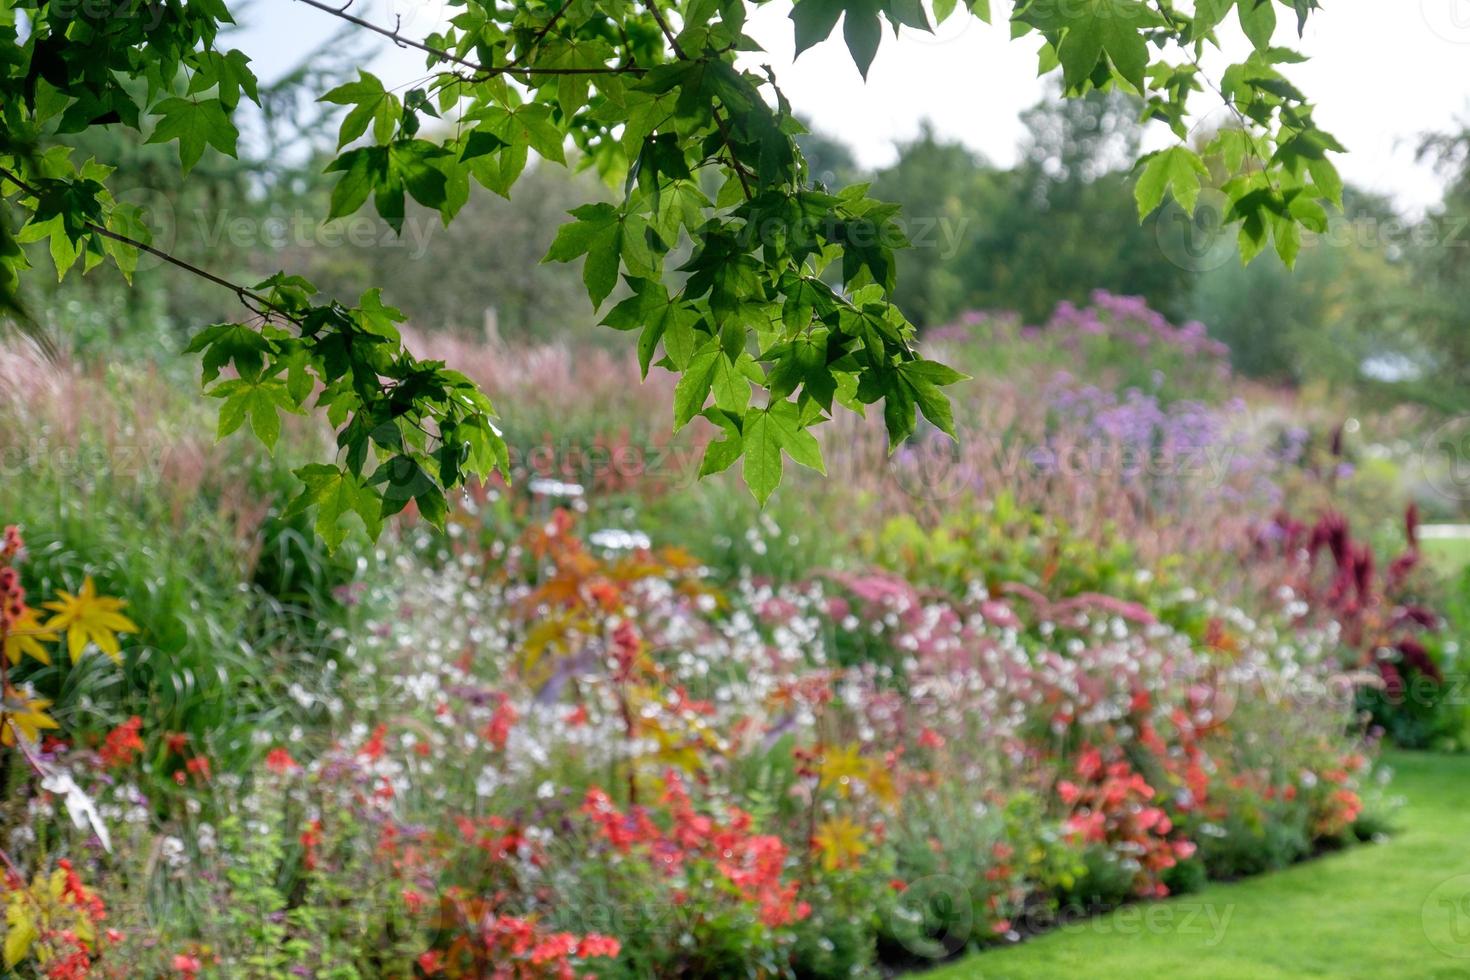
column 863, row 32
column 693, row 386
column 766, row 433
column 194, row 123
column 1258, row 20
column 363, row 170
column 762, row 469
column 412, row 162
column 814, row 20
column 920, row 382
column 336, row 493
column 721, row 454
column 1179, row 168
column 258, row 400
column 1093, row 28
column 231, row 343
column 607, row 238
column 371, row 105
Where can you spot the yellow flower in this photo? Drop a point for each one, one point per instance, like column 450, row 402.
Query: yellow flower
column 89, row 618
column 841, row 843
column 841, row 766
column 880, row 782
column 26, row 635
column 25, row 715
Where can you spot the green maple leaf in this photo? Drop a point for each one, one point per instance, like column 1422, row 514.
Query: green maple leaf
column 765, row 434
column 863, row 32
column 660, row 318
column 921, row 381
column 1095, row 27
column 1179, row 168
column 195, row 124
column 1258, row 21
column 230, row 72
column 259, row 401
column 336, row 493
column 371, row 105
column 814, row 20
column 225, row 343
column 607, row 237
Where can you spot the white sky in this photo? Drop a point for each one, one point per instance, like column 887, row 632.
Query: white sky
column 1382, row 74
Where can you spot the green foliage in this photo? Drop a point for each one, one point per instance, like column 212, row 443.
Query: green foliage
column 650, row 97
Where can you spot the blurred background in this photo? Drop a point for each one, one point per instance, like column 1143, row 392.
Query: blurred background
column 1263, row 463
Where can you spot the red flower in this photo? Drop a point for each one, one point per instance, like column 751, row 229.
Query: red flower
column 186, row 965
column 554, row 947
column 373, row 747
column 497, row 730
column 598, row 945
column 122, row 743
column 279, row 761
column 311, row 838
column 431, row 962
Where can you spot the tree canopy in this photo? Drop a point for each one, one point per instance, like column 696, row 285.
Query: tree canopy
column 779, row 313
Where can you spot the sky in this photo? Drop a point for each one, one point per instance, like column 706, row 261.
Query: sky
column 1382, row 72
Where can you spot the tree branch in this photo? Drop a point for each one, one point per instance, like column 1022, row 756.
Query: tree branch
column 720, row 122
column 252, row 300
column 483, row 72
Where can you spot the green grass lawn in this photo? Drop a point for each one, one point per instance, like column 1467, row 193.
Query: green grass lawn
column 1448, row 555
column 1398, row 909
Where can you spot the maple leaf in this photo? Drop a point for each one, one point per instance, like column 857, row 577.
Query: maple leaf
column 89, row 618
column 26, row 635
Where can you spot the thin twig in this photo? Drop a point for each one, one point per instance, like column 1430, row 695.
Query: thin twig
column 720, row 121
column 256, row 303
column 483, row 72
column 540, row 35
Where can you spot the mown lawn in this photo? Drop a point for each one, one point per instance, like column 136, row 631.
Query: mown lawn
column 1399, row 909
